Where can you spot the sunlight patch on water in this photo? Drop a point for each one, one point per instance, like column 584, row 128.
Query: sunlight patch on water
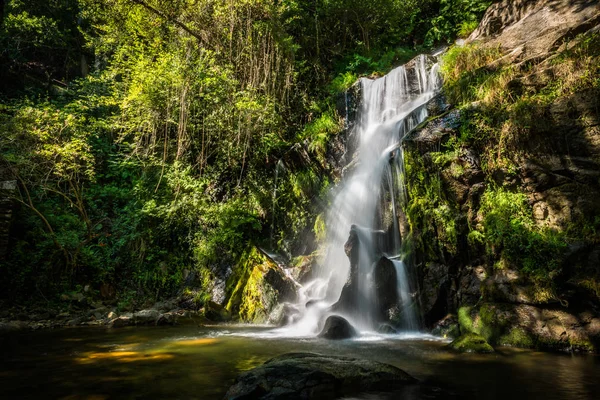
column 195, row 342
column 122, row 356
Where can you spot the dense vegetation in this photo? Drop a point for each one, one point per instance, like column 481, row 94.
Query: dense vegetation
column 144, row 135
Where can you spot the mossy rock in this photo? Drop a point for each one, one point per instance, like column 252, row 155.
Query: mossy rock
column 517, row 337
column 471, row 343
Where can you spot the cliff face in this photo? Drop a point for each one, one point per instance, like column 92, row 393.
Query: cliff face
column 504, row 186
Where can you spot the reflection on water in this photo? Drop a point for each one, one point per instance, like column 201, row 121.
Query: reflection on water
column 201, row 363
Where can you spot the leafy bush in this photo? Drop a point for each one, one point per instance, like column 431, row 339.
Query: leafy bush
column 456, row 17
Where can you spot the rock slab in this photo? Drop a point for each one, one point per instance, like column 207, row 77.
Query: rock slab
column 316, row 376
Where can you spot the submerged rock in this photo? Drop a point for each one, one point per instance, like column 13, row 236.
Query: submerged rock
column 337, row 328
column 471, row 343
column 315, row 376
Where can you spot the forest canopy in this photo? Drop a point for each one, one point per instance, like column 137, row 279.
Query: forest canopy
column 144, row 134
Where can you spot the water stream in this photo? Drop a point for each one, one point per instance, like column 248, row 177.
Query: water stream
column 390, row 107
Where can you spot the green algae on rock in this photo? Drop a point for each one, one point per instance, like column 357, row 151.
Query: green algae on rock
column 471, row 343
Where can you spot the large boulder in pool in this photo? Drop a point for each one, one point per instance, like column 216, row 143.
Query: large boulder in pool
column 337, row 328
column 316, row 376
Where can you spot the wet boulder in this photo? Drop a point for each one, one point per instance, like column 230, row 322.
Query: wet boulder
column 337, row 328
column 216, row 312
column 315, row 376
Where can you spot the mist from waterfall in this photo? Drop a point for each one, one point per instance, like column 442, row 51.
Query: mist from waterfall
column 390, row 107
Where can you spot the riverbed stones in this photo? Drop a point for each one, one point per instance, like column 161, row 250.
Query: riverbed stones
column 316, row 376
column 337, row 328
column 146, row 317
column 121, row 322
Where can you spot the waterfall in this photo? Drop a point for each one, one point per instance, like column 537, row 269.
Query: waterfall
column 371, row 193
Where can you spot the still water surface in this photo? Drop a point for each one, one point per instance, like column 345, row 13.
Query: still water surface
column 191, row 362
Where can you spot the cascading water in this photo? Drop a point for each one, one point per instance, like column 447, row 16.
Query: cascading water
column 391, row 106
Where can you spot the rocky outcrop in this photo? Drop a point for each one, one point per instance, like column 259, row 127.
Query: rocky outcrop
column 385, row 286
column 524, row 325
column 315, row 376
column 532, row 29
column 553, row 160
column 256, row 286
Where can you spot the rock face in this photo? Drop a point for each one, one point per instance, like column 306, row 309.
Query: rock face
column 536, row 27
column 256, row 287
column 522, row 325
column 468, row 283
column 337, row 328
column 383, row 279
column 386, row 289
column 315, row 376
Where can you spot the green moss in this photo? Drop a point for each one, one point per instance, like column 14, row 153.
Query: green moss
column 256, row 295
column 582, row 345
column 464, row 320
column 249, row 296
column 491, row 325
column 471, row 343
column 239, row 278
column 517, row 337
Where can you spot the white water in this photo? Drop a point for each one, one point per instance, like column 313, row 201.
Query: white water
column 391, row 106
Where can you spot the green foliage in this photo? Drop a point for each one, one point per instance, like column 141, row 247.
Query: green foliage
column 463, row 69
column 320, row 228
column 455, row 18
column 430, row 213
column 342, row 82
column 144, row 135
column 510, row 230
column 318, row 132
column 466, row 28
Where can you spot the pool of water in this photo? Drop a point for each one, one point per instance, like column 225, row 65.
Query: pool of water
column 192, row 362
